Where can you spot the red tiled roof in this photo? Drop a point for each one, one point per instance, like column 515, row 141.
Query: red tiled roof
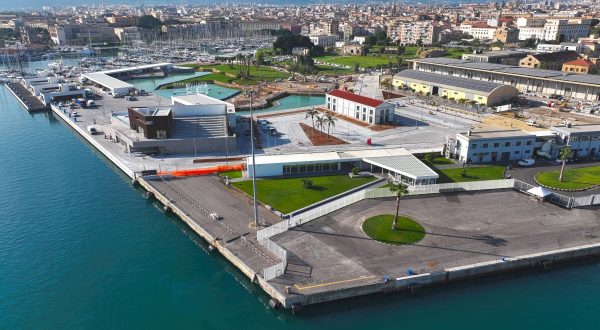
column 355, row 98
column 580, row 62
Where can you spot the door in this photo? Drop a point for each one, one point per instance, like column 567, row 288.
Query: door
column 435, row 90
column 505, row 156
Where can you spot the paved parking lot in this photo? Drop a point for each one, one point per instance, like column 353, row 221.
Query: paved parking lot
column 293, row 139
column 461, row 229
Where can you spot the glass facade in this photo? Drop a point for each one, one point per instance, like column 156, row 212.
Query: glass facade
column 310, row 168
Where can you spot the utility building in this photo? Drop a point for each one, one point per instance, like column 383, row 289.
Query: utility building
column 490, row 146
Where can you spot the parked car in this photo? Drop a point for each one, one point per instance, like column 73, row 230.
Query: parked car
column 527, row 162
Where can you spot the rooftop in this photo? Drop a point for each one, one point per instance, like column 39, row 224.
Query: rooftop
column 407, row 165
column 450, row 81
column 578, row 128
column 355, row 98
column 504, row 134
column 106, row 80
column 512, row 70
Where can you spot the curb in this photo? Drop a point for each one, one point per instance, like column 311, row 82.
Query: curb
column 562, row 189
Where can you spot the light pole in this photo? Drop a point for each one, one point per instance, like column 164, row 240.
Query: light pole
column 255, row 224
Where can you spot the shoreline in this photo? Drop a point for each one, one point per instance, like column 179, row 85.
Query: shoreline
column 295, row 301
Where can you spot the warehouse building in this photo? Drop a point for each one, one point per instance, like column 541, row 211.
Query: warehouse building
column 490, row 146
column 538, row 82
column 398, row 163
column 455, row 88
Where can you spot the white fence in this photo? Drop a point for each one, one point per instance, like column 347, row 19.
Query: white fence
column 586, row 201
column 304, row 217
column 444, row 188
column 278, row 269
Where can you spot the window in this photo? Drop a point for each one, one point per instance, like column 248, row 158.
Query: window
column 485, row 145
column 496, row 145
column 517, row 152
column 529, row 143
column 518, row 143
column 527, row 151
column 474, row 146
column 507, row 144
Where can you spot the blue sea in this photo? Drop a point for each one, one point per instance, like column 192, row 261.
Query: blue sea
column 81, row 248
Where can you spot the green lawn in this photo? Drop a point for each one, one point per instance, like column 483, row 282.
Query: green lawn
column 256, row 74
column 440, row 160
column 480, row 173
column 380, row 229
column 332, row 70
column 574, row 178
column 287, row 195
column 232, row 174
column 368, row 61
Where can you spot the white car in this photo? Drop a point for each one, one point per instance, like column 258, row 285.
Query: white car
column 527, row 162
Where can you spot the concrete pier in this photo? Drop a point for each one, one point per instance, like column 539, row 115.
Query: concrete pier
column 330, row 258
column 24, row 96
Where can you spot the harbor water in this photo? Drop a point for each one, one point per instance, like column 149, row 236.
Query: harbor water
column 80, row 248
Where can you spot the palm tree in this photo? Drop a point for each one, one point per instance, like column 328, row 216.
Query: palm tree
column 330, row 120
column 311, row 113
column 321, row 123
column 564, row 154
column 399, row 189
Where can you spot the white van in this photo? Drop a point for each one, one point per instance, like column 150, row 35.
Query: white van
column 92, row 130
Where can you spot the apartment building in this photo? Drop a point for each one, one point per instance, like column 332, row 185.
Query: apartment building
column 324, row 40
column 81, row 34
column 426, row 31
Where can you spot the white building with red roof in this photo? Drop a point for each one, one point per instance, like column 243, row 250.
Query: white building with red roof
column 359, row 107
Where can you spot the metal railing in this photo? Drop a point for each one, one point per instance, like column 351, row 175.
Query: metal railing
column 586, row 201
column 302, row 218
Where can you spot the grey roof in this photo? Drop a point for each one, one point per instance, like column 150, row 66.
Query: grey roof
column 503, row 134
column 540, row 73
column 514, row 70
column 574, row 129
column 450, row 81
column 482, row 66
column 581, row 78
column 407, row 165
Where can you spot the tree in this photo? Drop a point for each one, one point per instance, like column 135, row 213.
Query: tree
column 311, row 113
column 356, row 68
column 387, row 84
column 321, row 123
column 149, row 22
column 565, row 153
column 399, row 189
column 285, row 43
column 260, row 59
column 330, row 121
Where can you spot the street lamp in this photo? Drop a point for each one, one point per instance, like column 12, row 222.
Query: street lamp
column 250, row 93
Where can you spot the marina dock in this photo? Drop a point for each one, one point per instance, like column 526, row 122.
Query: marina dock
column 328, row 259
column 24, row 96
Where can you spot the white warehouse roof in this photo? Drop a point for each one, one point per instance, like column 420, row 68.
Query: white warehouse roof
column 107, row 81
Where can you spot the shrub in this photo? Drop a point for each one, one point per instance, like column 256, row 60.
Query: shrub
column 355, row 171
column 308, row 183
column 463, row 173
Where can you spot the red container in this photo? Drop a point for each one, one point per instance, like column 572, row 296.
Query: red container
column 369, row 141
